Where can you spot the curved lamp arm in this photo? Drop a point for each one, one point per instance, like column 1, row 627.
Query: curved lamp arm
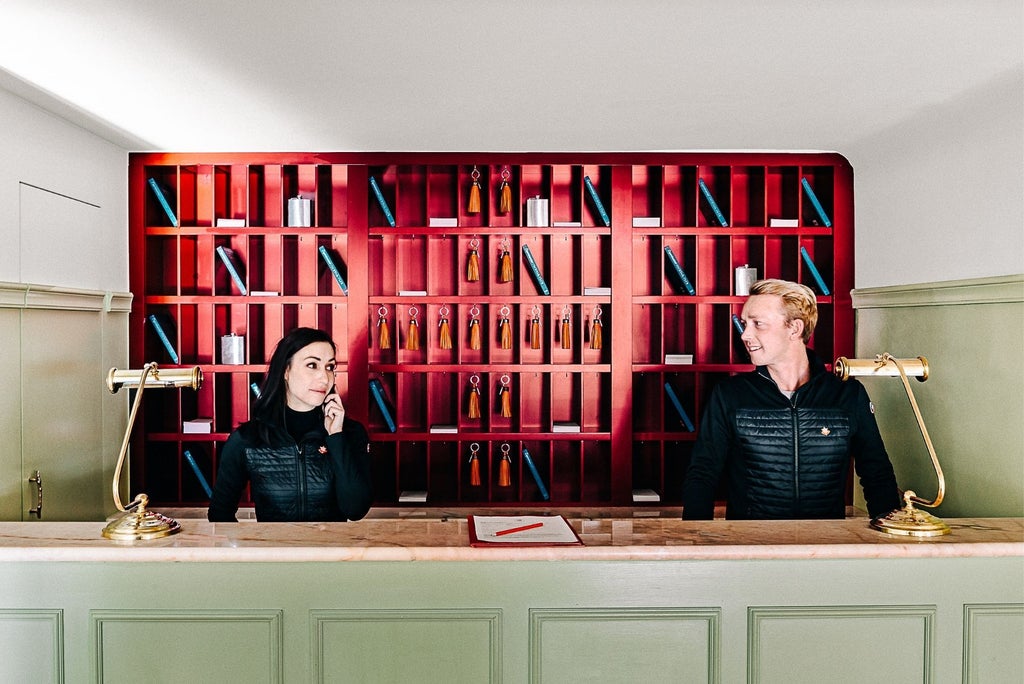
column 136, row 522
column 907, row 520
column 116, row 484
column 909, row 495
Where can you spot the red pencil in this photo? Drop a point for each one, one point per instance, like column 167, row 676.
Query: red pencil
column 518, row 529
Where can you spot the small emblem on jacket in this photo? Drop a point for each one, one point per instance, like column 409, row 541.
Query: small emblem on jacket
column 322, row 450
column 825, row 431
column 871, row 405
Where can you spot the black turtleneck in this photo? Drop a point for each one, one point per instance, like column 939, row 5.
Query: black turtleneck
column 301, row 423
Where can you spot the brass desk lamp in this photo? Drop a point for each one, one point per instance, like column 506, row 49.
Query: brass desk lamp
column 908, row 521
column 135, row 521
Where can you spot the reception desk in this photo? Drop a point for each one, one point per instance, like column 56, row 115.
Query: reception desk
column 401, row 596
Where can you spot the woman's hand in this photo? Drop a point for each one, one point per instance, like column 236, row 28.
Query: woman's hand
column 334, row 413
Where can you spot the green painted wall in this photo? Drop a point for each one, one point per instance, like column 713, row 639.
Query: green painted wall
column 56, row 414
column 972, row 333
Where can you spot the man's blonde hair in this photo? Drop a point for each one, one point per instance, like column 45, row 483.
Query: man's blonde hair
column 798, row 301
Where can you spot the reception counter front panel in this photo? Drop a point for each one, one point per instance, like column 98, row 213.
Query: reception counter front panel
column 407, row 599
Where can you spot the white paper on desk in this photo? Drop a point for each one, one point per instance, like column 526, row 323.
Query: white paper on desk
column 554, row 529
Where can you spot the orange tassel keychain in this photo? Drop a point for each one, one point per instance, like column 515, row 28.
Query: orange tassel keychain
column 566, row 337
column 412, row 339
column 505, row 192
column 474, row 464
column 474, row 396
column 595, row 329
column 535, row 328
column 505, row 328
column 474, row 328
column 505, row 397
column 446, row 332
column 473, row 262
column 505, row 468
column 474, row 193
column 383, row 332
column 506, row 262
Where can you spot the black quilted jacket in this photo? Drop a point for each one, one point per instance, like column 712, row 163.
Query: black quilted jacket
column 787, row 458
column 321, row 478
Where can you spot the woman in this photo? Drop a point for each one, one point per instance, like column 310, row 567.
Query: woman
column 304, row 459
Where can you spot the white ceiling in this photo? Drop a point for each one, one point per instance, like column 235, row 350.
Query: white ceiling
column 210, row 75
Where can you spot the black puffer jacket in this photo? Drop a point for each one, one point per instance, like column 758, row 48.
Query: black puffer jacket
column 319, row 478
column 787, row 458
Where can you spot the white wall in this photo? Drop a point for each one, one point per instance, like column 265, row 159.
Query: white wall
column 63, row 202
column 63, row 233
column 939, row 196
column 925, row 97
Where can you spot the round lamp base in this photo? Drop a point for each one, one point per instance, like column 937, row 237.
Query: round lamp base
column 910, row 522
column 137, row 525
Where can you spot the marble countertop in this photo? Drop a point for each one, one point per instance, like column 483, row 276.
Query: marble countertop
column 444, row 536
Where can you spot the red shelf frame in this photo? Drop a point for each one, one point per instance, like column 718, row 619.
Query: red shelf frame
column 629, row 437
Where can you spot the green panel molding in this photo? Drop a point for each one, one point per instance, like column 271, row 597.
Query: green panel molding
column 993, row 640
column 443, row 646
column 187, row 645
column 625, row 644
column 972, row 333
column 879, row 643
column 37, row 637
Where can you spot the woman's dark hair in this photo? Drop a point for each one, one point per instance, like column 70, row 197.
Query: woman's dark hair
column 268, row 409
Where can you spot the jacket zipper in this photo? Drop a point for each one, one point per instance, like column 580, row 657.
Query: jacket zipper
column 796, row 437
column 300, row 454
column 796, row 454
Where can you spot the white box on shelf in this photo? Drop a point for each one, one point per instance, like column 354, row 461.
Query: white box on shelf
column 197, row 426
column 647, row 222
column 642, row 494
column 441, row 428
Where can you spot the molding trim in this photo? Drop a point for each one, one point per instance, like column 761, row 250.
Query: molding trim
column 427, row 620
column 995, row 290
column 270, row 620
column 29, row 296
column 69, row 112
column 711, row 617
column 759, row 616
column 54, row 618
column 974, row 614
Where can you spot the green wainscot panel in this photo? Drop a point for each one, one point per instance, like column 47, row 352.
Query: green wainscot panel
column 37, row 636
column 187, row 646
column 624, row 645
column 854, row 644
column 422, row 646
column 993, row 643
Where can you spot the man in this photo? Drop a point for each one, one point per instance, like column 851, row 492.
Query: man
column 784, row 433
